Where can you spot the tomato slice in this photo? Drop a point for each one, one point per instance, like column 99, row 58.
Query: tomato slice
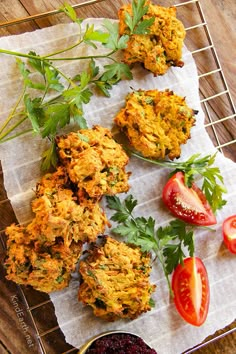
column 188, row 204
column 191, row 290
column 229, row 233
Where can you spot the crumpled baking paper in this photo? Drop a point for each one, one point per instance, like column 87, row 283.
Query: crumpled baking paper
column 162, row 328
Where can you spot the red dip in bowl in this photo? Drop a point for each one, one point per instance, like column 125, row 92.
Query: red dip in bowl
column 119, row 343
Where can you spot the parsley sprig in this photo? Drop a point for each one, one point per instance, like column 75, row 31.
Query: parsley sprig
column 197, row 165
column 169, row 243
column 135, row 22
column 51, row 99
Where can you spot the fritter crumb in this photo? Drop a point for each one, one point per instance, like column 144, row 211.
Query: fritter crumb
column 156, row 122
column 161, row 47
column 115, row 280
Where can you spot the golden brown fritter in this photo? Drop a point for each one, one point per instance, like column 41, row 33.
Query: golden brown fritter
column 162, row 46
column 46, row 267
column 59, row 215
column 45, row 252
column 94, row 162
column 115, row 281
column 156, row 122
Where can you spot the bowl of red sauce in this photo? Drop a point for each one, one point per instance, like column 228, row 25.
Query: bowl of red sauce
column 116, row 342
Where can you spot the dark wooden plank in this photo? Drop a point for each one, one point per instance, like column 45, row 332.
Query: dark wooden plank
column 220, row 16
column 10, row 10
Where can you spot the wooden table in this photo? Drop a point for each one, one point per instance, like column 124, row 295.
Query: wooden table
column 22, row 308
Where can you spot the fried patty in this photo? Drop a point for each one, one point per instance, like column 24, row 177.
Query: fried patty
column 162, row 46
column 115, row 280
column 45, row 252
column 94, row 161
column 156, row 122
column 59, row 214
column 44, row 266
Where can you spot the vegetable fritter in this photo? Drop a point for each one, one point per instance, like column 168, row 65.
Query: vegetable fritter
column 115, row 280
column 46, row 267
column 156, row 122
column 162, row 46
column 94, row 161
column 59, row 214
column 45, row 252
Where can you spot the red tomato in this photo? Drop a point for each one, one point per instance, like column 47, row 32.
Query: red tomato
column 188, row 204
column 229, row 233
column 191, row 290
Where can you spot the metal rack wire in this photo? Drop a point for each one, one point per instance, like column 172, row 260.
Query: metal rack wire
column 224, row 91
column 214, row 119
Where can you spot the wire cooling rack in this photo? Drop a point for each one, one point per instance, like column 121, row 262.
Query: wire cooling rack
column 220, row 115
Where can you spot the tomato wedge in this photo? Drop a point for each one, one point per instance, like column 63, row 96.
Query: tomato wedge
column 191, row 290
column 229, row 233
column 188, row 204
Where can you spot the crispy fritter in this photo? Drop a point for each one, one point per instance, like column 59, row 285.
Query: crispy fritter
column 46, row 267
column 94, row 161
column 115, row 281
column 162, row 46
column 156, row 122
column 45, row 252
column 58, row 214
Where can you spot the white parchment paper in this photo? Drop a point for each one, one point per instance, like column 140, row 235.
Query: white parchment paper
column 162, row 327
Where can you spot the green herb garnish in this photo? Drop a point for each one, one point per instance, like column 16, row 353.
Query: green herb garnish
column 212, row 185
column 135, row 21
column 61, row 99
column 167, row 243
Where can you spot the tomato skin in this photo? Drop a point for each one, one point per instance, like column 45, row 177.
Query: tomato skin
column 229, row 233
column 191, row 290
column 188, row 204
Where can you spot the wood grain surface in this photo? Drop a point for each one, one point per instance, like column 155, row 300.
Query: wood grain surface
column 19, row 336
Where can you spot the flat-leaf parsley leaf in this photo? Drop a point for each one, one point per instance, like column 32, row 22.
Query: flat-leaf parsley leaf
column 168, row 243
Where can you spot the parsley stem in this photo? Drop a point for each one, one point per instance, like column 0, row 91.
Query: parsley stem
column 18, row 54
column 71, row 82
column 100, row 56
column 12, row 113
column 48, row 102
column 162, row 262
column 171, row 164
column 43, row 58
column 15, row 136
column 62, row 50
column 155, row 162
column 45, row 93
column 11, row 129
